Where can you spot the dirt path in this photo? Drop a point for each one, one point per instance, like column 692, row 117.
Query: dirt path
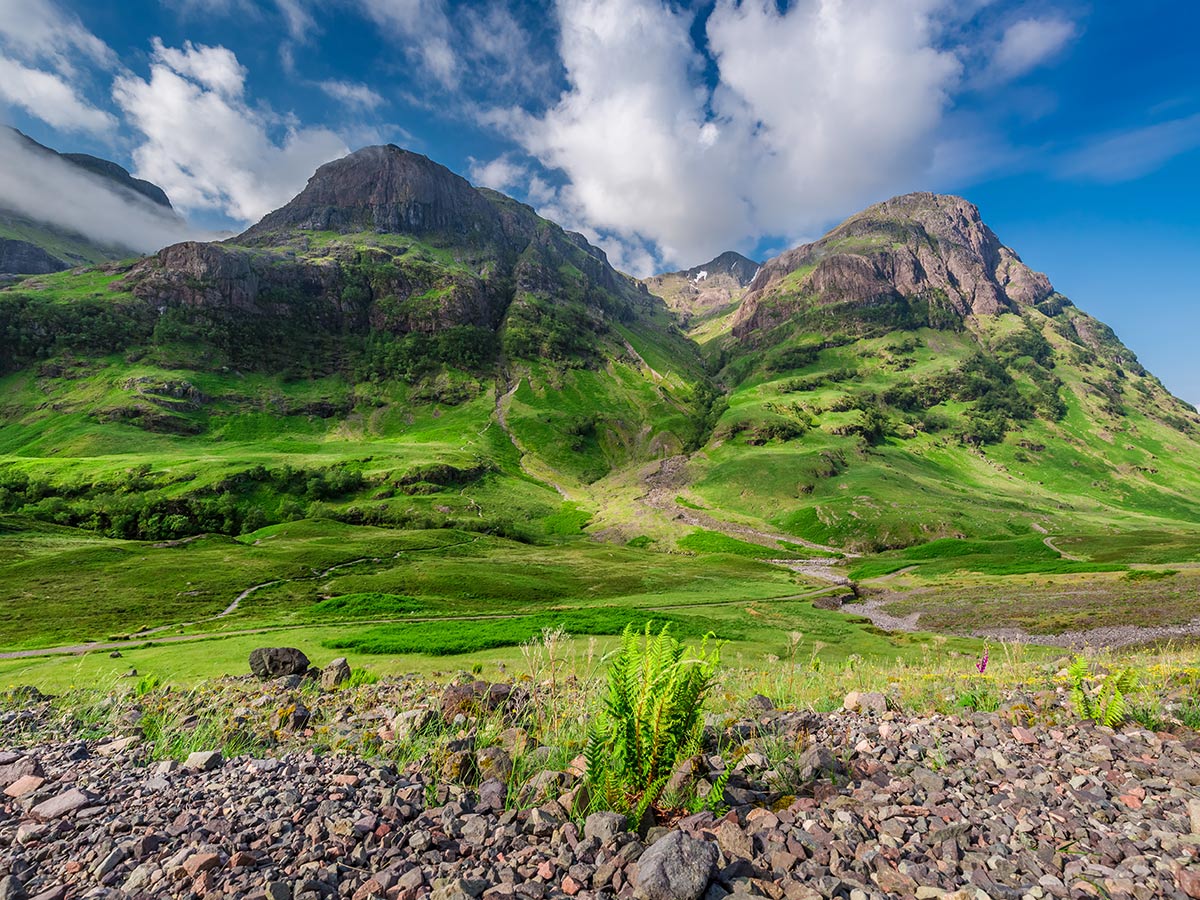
column 503, row 401
column 821, row 569
column 1049, row 542
column 237, row 601
column 663, row 485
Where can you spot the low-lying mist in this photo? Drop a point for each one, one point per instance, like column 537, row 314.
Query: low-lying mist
column 45, row 187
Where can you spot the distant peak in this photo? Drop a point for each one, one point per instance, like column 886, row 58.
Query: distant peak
column 742, row 269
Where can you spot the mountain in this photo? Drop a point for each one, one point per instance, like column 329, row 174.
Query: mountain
column 908, row 378
column 396, row 346
column 33, row 242
column 437, row 352
column 703, row 293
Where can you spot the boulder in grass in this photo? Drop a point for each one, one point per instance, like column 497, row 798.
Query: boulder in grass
column 269, row 663
column 335, row 674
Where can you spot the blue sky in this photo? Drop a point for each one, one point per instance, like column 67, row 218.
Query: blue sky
column 668, row 132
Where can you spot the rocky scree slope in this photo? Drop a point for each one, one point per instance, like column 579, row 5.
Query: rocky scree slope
column 859, row 804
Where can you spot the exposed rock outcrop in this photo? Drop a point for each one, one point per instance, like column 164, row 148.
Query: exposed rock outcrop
column 919, row 245
column 24, row 258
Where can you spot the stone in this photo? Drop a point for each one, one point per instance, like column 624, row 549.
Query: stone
column 411, row 723
column 335, row 674
column 19, row 768
column 865, row 701
column 678, row 867
column 463, row 699
column 604, row 826
column 112, row 748
column 759, row 704
column 62, row 805
column 1188, row 881
column 204, row 760
column 494, row 763
column 1024, row 735
column 26, row 784
column 735, row 842
column 269, row 663
column 201, row 862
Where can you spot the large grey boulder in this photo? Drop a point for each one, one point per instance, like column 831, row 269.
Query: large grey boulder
column 269, row 663
column 677, row 867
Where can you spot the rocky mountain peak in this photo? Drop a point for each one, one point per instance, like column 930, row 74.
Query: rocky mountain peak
column 925, row 245
column 382, row 189
column 730, row 263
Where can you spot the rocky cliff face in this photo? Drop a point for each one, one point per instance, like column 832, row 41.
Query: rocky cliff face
column 916, row 246
column 383, row 189
column 24, row 258
column 415, row 248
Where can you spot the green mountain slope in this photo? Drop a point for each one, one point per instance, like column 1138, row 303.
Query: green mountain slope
column 396, row 347
column 393, row 347
column 907, row 378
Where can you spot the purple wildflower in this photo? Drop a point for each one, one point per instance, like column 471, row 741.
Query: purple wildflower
column 983, row 661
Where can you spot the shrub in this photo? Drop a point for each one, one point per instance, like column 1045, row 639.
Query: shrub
column 652, row 720
column 1101, row 698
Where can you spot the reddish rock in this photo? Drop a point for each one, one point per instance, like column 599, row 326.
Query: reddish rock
column 201, row 862
column 1188, row 881
column 26, row 784
column 1024, row 735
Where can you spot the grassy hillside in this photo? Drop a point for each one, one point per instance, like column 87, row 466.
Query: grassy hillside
column 359, row 431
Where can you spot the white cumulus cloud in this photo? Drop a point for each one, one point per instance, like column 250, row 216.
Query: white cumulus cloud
column 206, row 146
column 499, row 174
column 424, row 27
column 42, row 49
column 816, row 110
column 1029, row 43
column 49, row 97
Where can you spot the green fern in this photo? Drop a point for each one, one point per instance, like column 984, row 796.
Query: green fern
column 652, row 720
column 1102, row 700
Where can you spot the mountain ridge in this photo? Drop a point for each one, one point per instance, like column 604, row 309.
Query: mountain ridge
column 904, row 379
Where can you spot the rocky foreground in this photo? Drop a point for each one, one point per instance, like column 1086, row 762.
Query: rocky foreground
column 850, row 804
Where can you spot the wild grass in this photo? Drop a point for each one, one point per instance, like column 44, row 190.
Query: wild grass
column 435, row 639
